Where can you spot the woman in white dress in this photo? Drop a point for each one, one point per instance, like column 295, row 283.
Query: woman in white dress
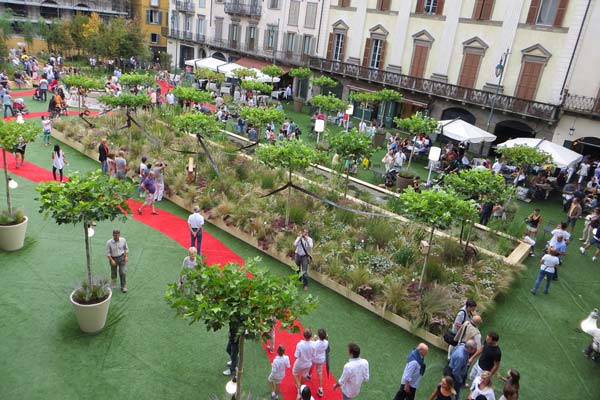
column 58, row 161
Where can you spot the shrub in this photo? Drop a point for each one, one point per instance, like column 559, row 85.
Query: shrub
column 15, row 217
column 380, row 232
column 434, row 271
column 394, row 295
column 405, row 255
column 346, row 217
column 450, row 251
column 380, row 264
column 297, row 213
column 267, row 181
column 358, row 277
column 437, row 303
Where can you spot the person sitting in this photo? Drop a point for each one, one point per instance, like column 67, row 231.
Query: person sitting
column 519, row 177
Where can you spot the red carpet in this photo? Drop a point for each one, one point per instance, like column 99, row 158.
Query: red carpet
column 216, row 253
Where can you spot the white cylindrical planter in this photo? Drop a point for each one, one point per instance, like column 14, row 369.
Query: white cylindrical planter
column 91, row 317
column 12, row 237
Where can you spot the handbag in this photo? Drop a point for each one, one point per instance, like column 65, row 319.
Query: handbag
column 449, row 338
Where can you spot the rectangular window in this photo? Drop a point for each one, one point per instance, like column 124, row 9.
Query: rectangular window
column 274, row 4
column 343, row 3
column 154, row 3
column 306, row 44
column 419, row 61
column 469, row 70
column 174, row 21
column 251, row 37
column 202, row 3
column 289, row 46
column 529, row 80
column 271, row 38
column 338, row 47
column 234, row 31
column 383, row 5
column 153, row 17
column 483, row 10
column 201, row 25
column 218, row 28
column 430, row 6
column 311, row 15
column 547, row 12
column 154, row 38
column 375, row 57
column 188, row 23
column 294, row 13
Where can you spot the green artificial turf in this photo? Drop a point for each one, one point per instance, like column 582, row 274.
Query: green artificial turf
column 145, row 352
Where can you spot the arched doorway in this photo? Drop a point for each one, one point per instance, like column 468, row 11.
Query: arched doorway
column 48, row 10
column 586, row 146
column 511, row 129
column 456, row 112
column 201, row 53
column 219, row 56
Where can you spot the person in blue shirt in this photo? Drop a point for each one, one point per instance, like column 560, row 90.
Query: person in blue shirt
column 459, row 363
column 413, row 372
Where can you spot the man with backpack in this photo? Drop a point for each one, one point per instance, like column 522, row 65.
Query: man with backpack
column 464, row 314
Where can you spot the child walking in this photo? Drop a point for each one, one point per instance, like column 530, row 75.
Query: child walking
column 321, row 345
column 46, row 129
column 280, row 363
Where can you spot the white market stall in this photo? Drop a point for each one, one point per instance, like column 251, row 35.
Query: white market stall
column 561, row 156
column 462, row 131
column 210, row 63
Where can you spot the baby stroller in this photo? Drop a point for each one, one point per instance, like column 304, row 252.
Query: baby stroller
column 37, row 95
column 19, row 106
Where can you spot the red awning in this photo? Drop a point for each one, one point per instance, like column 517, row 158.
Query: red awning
column 249, row 62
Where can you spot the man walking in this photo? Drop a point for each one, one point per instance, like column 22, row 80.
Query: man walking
column 490, row 356
column 43, row 86
column 195, row 224
column 149, row 188
column 356, row 371
column 103, row 155
column 121, row 165
column 233, row 347
column 464, row 314
column 413, row 372
column 159, row 180
column 459, row 363
column 304, row 245
column 118, row 256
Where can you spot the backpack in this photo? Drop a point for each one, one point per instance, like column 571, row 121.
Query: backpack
column 390, row 178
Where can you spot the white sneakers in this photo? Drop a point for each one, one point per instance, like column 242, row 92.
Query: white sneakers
column 582, row 250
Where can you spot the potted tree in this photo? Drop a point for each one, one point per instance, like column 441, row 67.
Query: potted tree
column 247, row 300
column 83, row 199
column 301, row 74
column 418, row 123
column 353, row 146
column 13, row 223
column 365, row 99
column 385, row 96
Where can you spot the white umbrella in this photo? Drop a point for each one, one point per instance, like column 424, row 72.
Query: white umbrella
column 209, row 63
column 561, row 156
column 462, row 131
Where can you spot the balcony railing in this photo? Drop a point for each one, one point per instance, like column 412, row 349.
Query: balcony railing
column 543, row 111
column 243, row 9
column 581, row 104
column 185, row 6
column 177, row 34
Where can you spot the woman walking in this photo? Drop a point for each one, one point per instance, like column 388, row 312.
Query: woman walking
column 58, row 162
column 444, row 390
column 482, row 386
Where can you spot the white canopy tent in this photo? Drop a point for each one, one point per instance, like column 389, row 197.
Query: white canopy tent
column 227, row 68
column 561, row 156
column 462, row 131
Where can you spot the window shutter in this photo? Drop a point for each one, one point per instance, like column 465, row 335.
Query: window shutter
column 382, row 55
column 534, row 8
column 528, row 81
column 298, row 43
column 486, row 13
column 383, row 5
column 419, row 60
column 560, row 12
column 367, row 53
column 276, row 40
column 420, row 7
column 478, row 9
column 343, row 52
column 285, row 42
column 231, row 32
column 439, row 10
column 266, row 39
column 470, row 67
column 330, row 45
column 313, row 44
column 147, row 16
column 160, row 17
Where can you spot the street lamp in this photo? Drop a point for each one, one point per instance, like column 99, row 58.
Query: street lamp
column 499, row 71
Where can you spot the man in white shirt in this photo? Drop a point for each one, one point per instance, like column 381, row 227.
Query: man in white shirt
column 304, row 245
column 304, row 358
column 195, row 224
column 497, row 167
column 356, row 371
column 399, row 158
column 362, row 126
column 117, row 252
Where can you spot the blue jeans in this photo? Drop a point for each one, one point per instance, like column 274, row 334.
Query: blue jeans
column 8, row 107
column 197, row 239
column 104, row 166
column 540, row 277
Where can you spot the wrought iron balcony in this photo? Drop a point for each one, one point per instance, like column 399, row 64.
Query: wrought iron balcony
column 183, row 35
column 256, row 50
column 184, row 6
column 251, row 9
column 581, row 104
column 528, row 108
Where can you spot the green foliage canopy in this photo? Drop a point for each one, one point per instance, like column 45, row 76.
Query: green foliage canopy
column 417, row 123
column 128, row 100
column 134, row 79
column 192, row 123
column 292, row 155
column 260, row 116
column 328, row 103
column 523, row 156
column 353, row 145
column 272, row 71
column 187, row 93
column 324, row 82
column 262, row 87
column 82, row 82
column 479, row 184
column 387, row 95
column 300, row 73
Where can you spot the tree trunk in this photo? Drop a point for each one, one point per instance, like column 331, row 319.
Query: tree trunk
column 347, row 181
column 8, row 204
column 383, row 114
column 240, row 369
column 289, row 197
column 426, row 259
column 462, row 229
column 471, row 223
column 412, row 149
column 88, row 258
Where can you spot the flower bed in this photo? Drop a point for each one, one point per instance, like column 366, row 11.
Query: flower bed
column 376, row 259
